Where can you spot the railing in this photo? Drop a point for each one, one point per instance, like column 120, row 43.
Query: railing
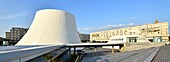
column 137, row 46
column 26, row 53
column 78, row 59
column 58, row 56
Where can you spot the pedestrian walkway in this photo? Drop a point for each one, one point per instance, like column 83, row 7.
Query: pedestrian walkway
column 163, row 55
column 130, row 56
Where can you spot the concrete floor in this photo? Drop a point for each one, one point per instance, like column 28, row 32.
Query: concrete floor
column 105, row 55
column 163, row 55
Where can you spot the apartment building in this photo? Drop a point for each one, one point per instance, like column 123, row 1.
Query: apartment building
column 16, row 33
column 84, row 37
column 157, row 32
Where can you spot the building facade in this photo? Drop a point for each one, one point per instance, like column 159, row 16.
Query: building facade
column 84, row 37
column 8, row 35
column 157, row 32
column 1, row 41
column 16, row 34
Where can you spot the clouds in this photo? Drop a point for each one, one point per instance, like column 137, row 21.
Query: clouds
column 110, row 26
column 14, row 16
column 11, row 20
column 127, row 18
column 106, row 27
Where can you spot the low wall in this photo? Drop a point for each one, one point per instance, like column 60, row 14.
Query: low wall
column 137, row 46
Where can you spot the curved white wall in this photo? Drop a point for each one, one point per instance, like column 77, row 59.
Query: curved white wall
column 51, row 27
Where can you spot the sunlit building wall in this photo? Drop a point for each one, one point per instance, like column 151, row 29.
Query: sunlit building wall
column 16, row 33
column 156, row 32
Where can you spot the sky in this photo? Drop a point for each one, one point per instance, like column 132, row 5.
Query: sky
column 91, row 15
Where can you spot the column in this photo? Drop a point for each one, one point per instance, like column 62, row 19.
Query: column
column 69, row 51
column 95, row 49
column 122, row 48
column 112, row 49
column 74, row 51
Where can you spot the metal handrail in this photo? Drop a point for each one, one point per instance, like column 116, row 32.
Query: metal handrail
column 58, row 55
column 78, row 59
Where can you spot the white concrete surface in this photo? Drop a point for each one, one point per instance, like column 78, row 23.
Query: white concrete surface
column 24, row 54
column 51, row 26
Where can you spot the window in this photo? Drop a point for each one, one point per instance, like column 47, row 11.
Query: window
column 125, row 31
column 129, row 28
column 130, row 33
column 119, row 39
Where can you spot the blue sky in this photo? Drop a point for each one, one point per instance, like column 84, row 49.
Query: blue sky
column 91, row 15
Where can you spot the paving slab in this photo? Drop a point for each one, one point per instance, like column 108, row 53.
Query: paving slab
column 163, row 55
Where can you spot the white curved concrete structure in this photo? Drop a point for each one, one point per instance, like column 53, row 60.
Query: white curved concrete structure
column 51, row 27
